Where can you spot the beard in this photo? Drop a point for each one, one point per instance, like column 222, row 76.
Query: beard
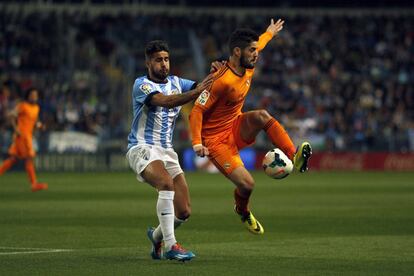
column 245, row 63
column 161, row 74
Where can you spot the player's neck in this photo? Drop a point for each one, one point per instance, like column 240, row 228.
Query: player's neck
column 156, row 80
column 236, row 67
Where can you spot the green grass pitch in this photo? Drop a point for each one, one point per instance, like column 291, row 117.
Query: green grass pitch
column 315, row 224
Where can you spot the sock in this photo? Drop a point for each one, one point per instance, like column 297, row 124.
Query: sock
column 242, row 202
column 31, row 171
column 7, row 164
column 157, row 234
column 165, row 213
column 279, row 137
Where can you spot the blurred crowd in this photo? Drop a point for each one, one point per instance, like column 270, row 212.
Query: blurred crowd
column 344, row 82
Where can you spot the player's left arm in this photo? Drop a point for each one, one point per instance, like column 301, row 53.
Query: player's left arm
column 272, row 30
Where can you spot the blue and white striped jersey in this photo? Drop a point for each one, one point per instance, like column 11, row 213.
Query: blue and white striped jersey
column 154, row 125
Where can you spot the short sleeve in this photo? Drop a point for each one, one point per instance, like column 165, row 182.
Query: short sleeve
column 142, row 90
column 186, row 85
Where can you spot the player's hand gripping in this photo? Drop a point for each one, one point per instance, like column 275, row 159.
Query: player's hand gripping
column 200, row 150
column 217, row 65
column 205, row 84
column 275, row 28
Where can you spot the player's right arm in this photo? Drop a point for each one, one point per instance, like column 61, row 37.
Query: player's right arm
column 170, row 101
column 196, row 125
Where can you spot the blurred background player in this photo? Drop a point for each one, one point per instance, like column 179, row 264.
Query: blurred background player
column 24, row 119
column 157, row 99
column 220, row 129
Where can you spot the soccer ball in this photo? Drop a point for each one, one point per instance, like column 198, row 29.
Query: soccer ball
column 276, row 164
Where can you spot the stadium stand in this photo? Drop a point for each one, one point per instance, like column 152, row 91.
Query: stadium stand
column 342, row 79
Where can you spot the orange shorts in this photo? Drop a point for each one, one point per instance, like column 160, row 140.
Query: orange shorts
column 22, row 147
column 224, row 150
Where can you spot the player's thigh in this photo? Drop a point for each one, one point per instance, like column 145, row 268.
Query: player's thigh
column 157, row 176
column 227, row 159
column 22, row 148
column 242, row 178
column 13, row 150
column 182, row 202
column 250, row 124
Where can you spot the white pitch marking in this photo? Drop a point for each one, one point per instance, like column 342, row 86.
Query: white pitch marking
column 35, row 250
column 32, row 250
column 27, row 248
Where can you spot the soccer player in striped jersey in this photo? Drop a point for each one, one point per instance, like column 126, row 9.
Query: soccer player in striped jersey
column 220, row 128
column 157, row 99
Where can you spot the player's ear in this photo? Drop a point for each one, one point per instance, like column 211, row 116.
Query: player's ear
column 237, row 51
column 147, row 62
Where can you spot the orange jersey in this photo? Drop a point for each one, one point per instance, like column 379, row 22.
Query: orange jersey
column 215, row 111
column 27, row 118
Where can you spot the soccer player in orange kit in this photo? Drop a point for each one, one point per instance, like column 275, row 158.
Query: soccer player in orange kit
column 220, row 129
column 25, row 119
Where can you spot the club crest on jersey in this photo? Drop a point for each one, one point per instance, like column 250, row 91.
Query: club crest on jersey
column 174, row 92
column 202, row 99
column 146, row 88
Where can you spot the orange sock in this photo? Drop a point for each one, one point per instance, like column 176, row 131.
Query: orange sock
column 31, row 171
column 279, row 137
column 7, row 164
column 242, row 202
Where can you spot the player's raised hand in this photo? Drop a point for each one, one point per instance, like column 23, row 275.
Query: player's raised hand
column 200, row 150
column 205, row 84
column 275, row 28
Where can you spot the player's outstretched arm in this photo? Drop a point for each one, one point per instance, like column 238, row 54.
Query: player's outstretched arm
column 272, row 30
column 171, row 101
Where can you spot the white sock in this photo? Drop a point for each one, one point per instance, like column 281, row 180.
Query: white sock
column 165, row 213
column 157, row 234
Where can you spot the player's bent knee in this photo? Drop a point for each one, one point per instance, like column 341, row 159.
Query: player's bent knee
column 263, row 116
column 165, row 185
column 260, row 118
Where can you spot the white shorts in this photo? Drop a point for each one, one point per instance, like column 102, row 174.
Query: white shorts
column 141, row 155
